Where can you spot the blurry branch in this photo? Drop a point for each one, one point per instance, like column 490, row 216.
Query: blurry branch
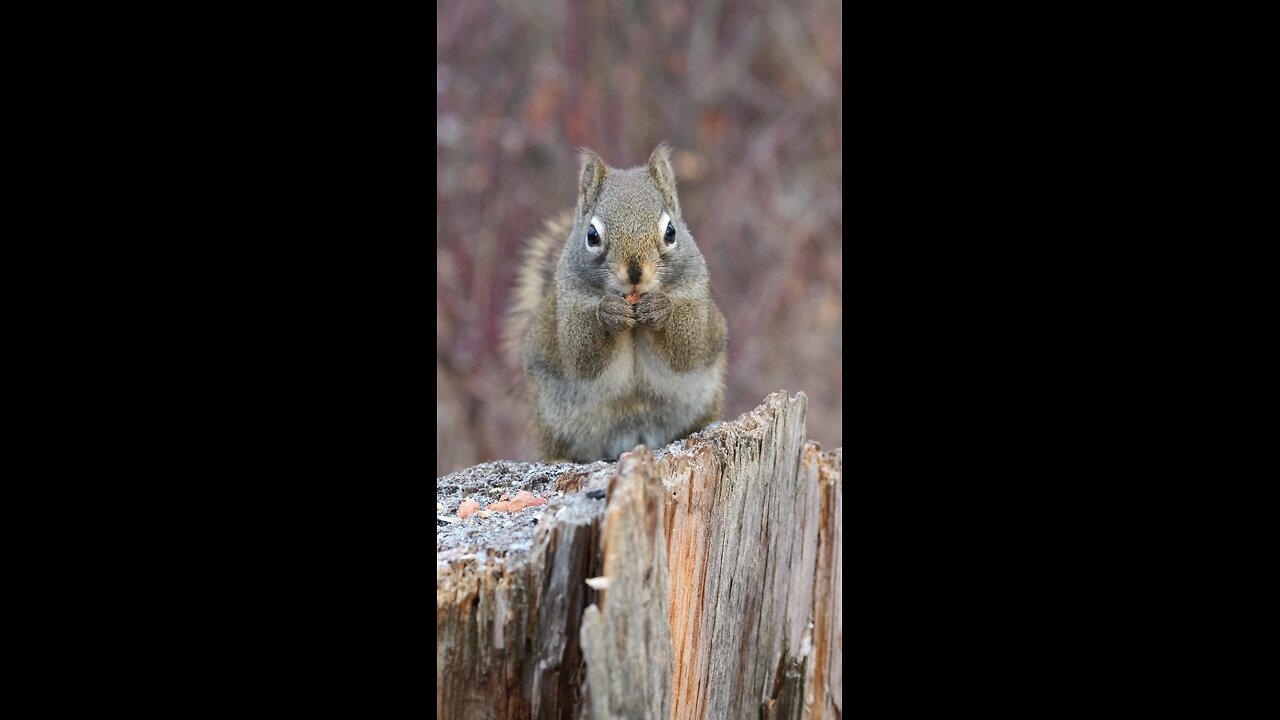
column 451, row 18
column 710, row 88
column 702, row 33
column 762, row 147
column 766, row 304
column 799, row 51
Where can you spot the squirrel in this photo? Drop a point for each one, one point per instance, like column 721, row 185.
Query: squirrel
column 613, row 321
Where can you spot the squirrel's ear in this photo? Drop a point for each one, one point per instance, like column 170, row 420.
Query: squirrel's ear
column 663, row 176
column 590, row 179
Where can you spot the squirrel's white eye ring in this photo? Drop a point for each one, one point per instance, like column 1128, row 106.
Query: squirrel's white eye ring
column 668, row 230
column 595, row 236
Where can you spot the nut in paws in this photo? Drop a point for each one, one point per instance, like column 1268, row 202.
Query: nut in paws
column 615, row 313
column 654, row 310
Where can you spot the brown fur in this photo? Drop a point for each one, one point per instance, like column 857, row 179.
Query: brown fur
column 537, row 271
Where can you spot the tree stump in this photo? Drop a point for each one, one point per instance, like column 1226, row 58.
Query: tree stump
column 716, row 581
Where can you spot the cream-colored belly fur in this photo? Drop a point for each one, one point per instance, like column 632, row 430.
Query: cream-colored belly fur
column 636, row 400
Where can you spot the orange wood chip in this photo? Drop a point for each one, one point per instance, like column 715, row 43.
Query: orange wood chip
column 467, row 507
column 522, row 500
column 525, row 499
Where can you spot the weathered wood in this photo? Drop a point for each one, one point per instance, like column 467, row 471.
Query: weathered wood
column 742, row 546
column 509, row 597
column 825, row 697
column 722, row 557
column 628, row 644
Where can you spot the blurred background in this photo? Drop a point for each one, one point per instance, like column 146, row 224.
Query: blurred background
column 748, row 94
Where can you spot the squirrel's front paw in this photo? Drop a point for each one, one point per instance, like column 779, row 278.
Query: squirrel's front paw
column 654, row 310
column 615, row 313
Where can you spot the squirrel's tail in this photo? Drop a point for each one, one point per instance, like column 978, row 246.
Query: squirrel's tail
column 537, row 270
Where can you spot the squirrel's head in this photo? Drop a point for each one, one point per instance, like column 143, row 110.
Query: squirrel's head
column 628, row 235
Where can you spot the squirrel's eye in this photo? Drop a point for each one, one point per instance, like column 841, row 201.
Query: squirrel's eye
column 595, row 233
column 668, row 229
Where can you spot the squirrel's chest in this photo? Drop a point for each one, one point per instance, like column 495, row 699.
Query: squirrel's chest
column 637, row 399
column 637, row 374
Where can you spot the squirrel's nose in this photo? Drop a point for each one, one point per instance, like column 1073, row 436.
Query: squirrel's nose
column 633, row 272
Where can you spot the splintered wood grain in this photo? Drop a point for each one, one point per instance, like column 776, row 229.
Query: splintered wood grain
column 507, row 627
column 742, row 526
column 824, row 698
column 471, row 615
column 626, row 639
